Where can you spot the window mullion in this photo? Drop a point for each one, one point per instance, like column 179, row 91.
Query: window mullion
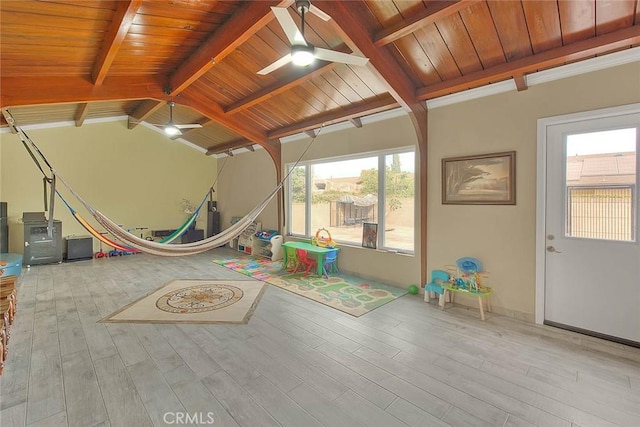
column 308, row 199
column 289, row 218
column 381, row 199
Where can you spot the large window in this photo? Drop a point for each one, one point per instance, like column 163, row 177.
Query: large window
column 342, row 194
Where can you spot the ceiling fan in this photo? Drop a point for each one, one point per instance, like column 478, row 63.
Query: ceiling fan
column 304, row 53
column 172, row 129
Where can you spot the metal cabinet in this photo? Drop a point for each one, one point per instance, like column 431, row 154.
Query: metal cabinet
column 39, row 246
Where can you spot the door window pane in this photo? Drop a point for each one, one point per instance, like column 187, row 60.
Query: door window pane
column 601, row 185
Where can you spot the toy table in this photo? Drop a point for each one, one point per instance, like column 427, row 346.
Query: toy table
column 318, row 251
column 485, row 293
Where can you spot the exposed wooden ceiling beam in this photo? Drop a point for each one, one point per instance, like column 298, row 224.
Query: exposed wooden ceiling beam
column 81, row 114
column 300, row 76
column 200, row 102
column 3, row 122
column 376, row 106
column 123, row 18
column 351, row 20
column 434, row 11
column 356, row 122
column 244, row 23
column 554, row 57
column 521, row 82
column 231, row 145
column 144, row 111
column 22, row 91
column 214, row 111
column 348, row 21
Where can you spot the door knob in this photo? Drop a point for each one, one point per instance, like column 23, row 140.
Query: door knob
column 552, row 249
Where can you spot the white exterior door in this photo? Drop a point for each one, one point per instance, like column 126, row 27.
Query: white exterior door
column 592, row 251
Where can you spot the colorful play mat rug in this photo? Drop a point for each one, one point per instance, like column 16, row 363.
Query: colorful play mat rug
column 349, row 294
column 194, row 301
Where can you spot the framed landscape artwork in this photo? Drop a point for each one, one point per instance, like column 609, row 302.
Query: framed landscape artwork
column 486, row 179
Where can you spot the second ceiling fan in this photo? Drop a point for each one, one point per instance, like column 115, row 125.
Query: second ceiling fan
column 172, row 129
column 304, row 53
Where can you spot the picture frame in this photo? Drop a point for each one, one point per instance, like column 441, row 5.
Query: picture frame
column 485, row 179
column 369, row 235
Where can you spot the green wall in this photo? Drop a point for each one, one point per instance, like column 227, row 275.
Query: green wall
column 137, row 177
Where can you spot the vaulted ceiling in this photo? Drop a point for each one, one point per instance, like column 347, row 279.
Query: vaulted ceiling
column 65, row 60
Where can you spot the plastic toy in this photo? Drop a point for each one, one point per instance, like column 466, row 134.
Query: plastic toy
column 323, row 239
column 101, row 253
column 266, row 235
column 469, row 265
column 412, row 289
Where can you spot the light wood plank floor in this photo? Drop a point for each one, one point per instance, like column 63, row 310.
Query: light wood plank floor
column 297, row 362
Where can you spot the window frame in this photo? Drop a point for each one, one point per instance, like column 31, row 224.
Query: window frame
column 382, row 195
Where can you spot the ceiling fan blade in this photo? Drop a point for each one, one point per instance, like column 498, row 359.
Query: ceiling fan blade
column 288, row 25
column 189, row 126
column 320, row 14
column 279, row 63
column 345, row 58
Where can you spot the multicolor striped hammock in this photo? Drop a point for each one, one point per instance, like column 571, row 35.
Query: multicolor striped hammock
column 95, row 233
column 163, row 249
column 100, row 236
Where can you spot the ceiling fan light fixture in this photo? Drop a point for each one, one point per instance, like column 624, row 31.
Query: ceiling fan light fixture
column 171, row 130
column 301, row 55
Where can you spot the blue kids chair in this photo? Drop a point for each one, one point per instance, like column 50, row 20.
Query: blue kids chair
column 438, row 278
column 329, row 263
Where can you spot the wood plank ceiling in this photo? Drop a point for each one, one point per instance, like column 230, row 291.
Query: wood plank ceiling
column 82, row 59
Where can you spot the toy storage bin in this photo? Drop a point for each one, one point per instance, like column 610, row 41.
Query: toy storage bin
column 276, row 247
